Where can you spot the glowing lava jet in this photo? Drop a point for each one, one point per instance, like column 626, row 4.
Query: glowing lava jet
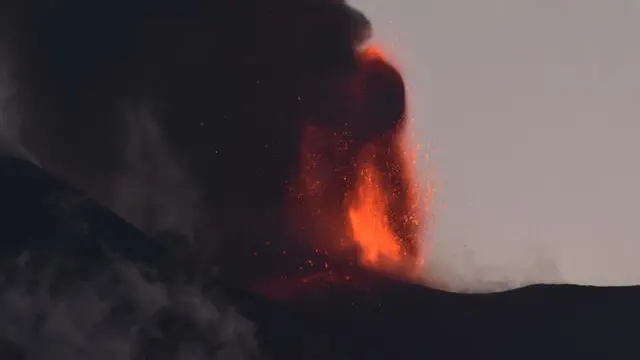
column 365, row 165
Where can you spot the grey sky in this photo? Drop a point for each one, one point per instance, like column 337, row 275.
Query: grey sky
column 529, row 111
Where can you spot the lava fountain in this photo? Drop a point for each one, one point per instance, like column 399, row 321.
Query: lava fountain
column 369, row 220
column 378, row 216
column 383, row 219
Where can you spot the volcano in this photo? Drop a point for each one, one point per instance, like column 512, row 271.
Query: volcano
column 303, row 221
column 351, row 313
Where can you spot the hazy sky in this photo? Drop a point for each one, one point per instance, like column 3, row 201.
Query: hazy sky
column 530, row 113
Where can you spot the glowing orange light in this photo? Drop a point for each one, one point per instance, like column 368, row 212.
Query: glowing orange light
column 375, row 209
column 370, row 222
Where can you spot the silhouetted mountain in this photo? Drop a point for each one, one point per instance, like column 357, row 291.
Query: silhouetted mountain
column 394, row 320
column 354, row 315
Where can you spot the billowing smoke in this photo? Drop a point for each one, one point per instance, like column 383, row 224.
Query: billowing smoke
column 187, row 117
column 119, row 313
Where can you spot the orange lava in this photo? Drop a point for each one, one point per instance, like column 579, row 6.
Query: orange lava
column 388, row 241
column 369, row 220
column 372, row 52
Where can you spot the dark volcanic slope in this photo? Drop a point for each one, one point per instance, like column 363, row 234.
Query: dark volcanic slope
column 388, row 320
column 43, row 215
column 366, row 317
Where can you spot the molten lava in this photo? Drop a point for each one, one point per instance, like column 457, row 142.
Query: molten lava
column 370, row 220
column 383, row 209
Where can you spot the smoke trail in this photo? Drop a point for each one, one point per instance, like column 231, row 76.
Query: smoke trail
column 10, row 121
column 154, row 191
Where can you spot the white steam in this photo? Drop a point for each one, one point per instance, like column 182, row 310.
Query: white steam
column 464, row 269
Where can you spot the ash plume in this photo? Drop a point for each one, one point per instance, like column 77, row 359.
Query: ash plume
column 182, row 117
column 216, row 94
column 186, row 116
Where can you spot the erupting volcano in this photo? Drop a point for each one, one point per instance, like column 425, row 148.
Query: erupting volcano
column 224, row 179
column 356, row 202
